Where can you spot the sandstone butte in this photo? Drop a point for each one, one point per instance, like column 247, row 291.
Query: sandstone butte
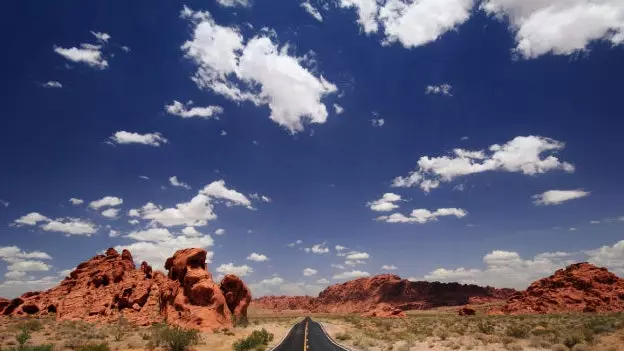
column 109, row 286
column 385, row 295
column 580, row 287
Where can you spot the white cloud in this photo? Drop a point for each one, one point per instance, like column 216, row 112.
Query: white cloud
column 423, row 215
column 223, row 133
column 52, row 84
column 572, row 229
column 278, row 286
column 528, row 155
column 557, row 197
column 312, row 11
column 199, row 210
column 101, row 37
column 367, row 13
column 106, row 201
column 260, row 197
column 389, row 267
column 230, row 268
column 31, row 219
column 144, row 177
column 386, row 203
column 113, row 233
column 339, row 109
column 233, row 3
column 339, row 248
column 611, row 257
column 220, row 231
column 134, row 221
column 70, row 226
column 559, row 27
column 28, row 266
column 257, row 71
column 125, row 48
column 257, row 257
column 14, row 288
column 442, row 89
column 378, row 122
column 351, row 275
column 4, row 203
column 13, row 275
column 187, row 110
column 86, row 53
column 338, row 266
column 151, row 139
column 191, row 231
column 318, row 249
column 175, row 182
column 133, row 212
column 308, row 272
column 13, row 253
column 322, row 281
column 151, row 234
column 75, row 201
column 357, row 256
column 421, row 22
column 155, row 253
column 110, row 213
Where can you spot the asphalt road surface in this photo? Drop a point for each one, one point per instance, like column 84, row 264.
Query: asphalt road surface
column 308, row 335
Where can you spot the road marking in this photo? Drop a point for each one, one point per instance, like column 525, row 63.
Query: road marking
column 305, row 337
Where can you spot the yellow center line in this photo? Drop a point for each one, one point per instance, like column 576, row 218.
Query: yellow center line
column 305, row 337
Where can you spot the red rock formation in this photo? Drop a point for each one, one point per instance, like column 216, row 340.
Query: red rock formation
column 364, row 294
column 237, row 297
column 580, row 287
column 109, row 286
column 384, row 310
column 466, row 311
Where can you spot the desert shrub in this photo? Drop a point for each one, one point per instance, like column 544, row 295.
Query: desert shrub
column 343, row 336
column 538, row 342
column 47, row 347
column 258, row 339
column 441, row 333
column 580, row 347
column 485, row 327
column 178, row 339
column 120, row 328
column 23, row 337
column 514, row 347
column 519, row 331
column 559, row 347
column 94, row 347
column 572, row 339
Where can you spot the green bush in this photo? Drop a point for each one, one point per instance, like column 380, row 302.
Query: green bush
column 343, row 336
column 258, row 339
column 485, row 327
column 178, row 339
column 23, row 337
column 31, row 325
column 94, row 347
column 47, row 347
column 519, row 331
column 572, row 339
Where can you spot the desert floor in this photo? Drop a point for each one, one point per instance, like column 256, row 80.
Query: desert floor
column 438, row 329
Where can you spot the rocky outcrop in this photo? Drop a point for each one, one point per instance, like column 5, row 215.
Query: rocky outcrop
column 580, row 287
column 109, row 286
column 371, row 295
column 466, row 311
column 384, row 310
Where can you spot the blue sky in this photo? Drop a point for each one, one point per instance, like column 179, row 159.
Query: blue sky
column 306, row 143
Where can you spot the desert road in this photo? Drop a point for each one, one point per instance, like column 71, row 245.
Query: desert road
column 308, row 335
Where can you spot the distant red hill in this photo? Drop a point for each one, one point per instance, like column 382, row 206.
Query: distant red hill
column 581, row 287
column 366, row 294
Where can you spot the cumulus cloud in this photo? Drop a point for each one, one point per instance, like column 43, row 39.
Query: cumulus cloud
column 367, row 11
column 191, row 231
column 528, row 155
column 101, row 36
column 317, row 249
column 231, row 3
column 151, row 234
column 187, row 110
column 230, row 268
column 338, row 109
column 308, row 272
column 20, row 262
column 86, row 53
column 559, row 27
column 220, row 231
column 260, row 197
column 557, row 197
column 312, row 11
column 339, row 248
column 422, row 216
column 357, row 256
column 52, row 84
column 15, row 287
column 31, row 219
column 256, row 70
column 110, row 213
column 378, row 122
column 389, row 267
column 386, row 203
column 611, row 257
column 106, row 201
column 278, row 286
column 199, row 210
column 351, row 275
column 70, row 226
column 322, row 281
column 75, row 201
column 442, row 89
column 177, row 183
column 151, row 139
column 257, row 257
